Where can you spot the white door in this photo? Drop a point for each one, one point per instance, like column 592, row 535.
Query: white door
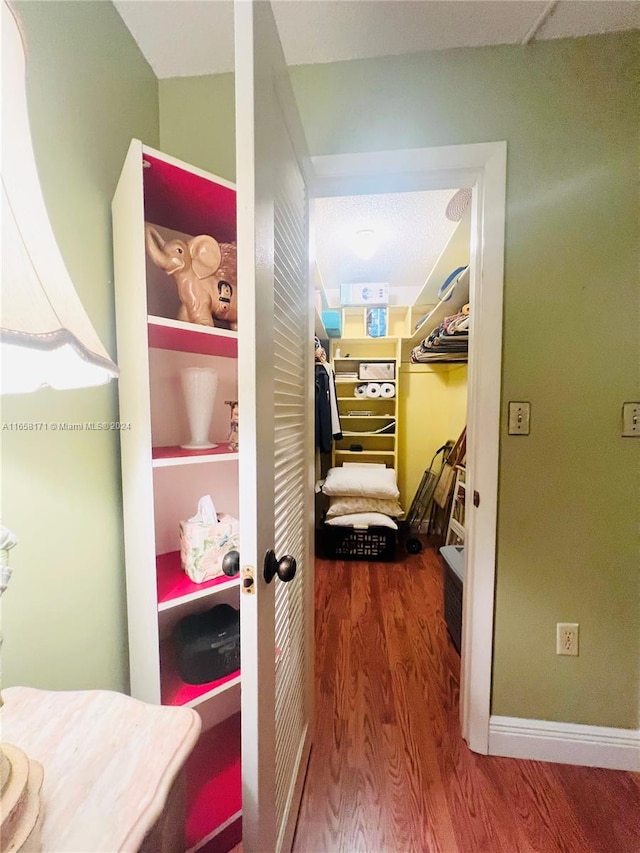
column 276, row 435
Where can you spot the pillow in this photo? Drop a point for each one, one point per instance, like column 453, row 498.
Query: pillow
column 345, row 506
column 362, row 519
column 358, row 481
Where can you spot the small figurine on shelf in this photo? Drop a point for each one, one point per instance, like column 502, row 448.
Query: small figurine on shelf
column 205, row 274
column 233, row 431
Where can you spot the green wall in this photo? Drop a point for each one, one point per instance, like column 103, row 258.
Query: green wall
column 568, row 511
column 568, row 494
column 64, row 619
column 198, row 122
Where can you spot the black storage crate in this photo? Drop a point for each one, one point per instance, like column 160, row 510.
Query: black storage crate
column 349, row 543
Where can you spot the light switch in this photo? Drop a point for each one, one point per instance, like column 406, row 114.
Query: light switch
column 631, row 420
column 519, row 418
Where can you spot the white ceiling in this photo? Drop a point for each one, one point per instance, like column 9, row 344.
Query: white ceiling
column 194, row 37
column 182, row 38
column 410, row 231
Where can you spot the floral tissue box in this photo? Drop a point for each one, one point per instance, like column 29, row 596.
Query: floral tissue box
column 204, row 545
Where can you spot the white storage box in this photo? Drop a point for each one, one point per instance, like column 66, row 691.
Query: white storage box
column 378, row 370
column 371, row 293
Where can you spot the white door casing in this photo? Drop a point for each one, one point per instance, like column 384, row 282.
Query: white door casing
column 276, row 433
column 481, row 166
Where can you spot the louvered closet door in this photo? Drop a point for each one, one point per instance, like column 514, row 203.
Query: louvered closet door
column 276, row 442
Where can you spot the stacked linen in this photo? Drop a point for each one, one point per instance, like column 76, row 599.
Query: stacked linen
column 447, row 342
column 362, row 495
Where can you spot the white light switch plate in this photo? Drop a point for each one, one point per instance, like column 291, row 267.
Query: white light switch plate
column 630, row 420
column 519, row 418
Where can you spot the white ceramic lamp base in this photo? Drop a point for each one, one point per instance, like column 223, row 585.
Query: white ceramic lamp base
column 199, row 386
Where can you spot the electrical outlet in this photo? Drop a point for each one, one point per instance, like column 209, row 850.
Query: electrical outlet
column 519, row 418
column 630, row 420
column 567, row 638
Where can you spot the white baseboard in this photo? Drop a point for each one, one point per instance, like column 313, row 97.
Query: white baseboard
column 565, row 743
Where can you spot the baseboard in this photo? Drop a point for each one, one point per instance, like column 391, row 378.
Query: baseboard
column 565, row 743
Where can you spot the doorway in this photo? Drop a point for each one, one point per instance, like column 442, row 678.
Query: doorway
column 481, row 167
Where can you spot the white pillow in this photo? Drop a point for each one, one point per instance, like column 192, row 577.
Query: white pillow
column 358, row 481
column 348, row 505
column 362, row 520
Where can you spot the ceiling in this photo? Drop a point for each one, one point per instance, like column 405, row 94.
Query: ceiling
column 410, row 231
column 195, row 37
column 183, row 38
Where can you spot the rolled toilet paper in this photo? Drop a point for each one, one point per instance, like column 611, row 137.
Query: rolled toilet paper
column 387, row 390
column 373, row 389
column 360, row 390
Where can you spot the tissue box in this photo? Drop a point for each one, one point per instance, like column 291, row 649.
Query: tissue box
column 204, row 546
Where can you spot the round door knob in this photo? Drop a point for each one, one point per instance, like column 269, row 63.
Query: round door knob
column 231, row 563
column 285, row 567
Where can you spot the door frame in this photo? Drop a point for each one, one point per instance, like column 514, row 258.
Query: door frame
column 483, row 167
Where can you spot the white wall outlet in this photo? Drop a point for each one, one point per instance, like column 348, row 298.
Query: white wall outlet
column 519, row 418
column 567, row 638
column 630, row 420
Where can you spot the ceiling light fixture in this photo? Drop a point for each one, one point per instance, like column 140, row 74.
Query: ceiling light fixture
column 364, row 244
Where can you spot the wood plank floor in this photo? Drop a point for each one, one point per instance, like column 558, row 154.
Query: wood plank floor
column 389, row 772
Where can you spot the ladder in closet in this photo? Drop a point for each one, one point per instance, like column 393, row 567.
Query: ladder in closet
column 455, row 530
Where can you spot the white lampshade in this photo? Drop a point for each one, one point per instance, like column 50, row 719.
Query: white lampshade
column 46, row 336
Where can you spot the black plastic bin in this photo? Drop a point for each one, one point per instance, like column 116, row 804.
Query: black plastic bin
column 453, row 585
column 350, row 543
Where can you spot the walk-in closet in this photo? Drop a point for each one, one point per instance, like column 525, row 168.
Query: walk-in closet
column 393, row 320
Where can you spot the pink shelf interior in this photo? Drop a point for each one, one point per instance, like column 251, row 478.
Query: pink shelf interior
column 175, row 691
column 177, row 452
column 188, row 202
column 214, row 782
column 173, row 582
column 192, row 340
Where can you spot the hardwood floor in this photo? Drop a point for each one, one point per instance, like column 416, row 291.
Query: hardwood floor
column 389, row 772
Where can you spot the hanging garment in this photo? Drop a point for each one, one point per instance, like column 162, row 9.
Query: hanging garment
column 336, row 426
column 323, row 438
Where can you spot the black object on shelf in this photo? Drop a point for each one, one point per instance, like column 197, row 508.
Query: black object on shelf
column 208, row 644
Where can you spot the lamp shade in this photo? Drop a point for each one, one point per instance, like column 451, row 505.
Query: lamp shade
column 46, row 336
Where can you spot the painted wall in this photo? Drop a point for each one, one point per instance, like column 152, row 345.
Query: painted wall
column 568, row 507
column 457, row 398
column 568, row 503
column 432, row 410
column 64, row 617
column 568, row 512
column 198, row 122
